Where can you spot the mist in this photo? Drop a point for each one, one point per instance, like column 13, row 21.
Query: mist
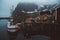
column 5, row 5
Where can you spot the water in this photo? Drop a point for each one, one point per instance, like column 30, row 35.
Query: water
column 3, row 22
column 4, row 35
column 3, row 28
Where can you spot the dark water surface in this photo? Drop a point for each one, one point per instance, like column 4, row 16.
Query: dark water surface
column 4, row 35
column 3, row 32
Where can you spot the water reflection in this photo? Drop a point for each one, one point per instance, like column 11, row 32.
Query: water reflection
column 4, row 35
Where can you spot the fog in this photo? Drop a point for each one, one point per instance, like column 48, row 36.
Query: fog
column 5, row 5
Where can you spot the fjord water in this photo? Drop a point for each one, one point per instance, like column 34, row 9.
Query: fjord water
column 3, row 28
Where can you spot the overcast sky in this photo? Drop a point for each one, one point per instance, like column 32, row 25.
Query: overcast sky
column 5, row 5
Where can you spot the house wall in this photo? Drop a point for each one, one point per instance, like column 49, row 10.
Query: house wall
column 58, row 15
